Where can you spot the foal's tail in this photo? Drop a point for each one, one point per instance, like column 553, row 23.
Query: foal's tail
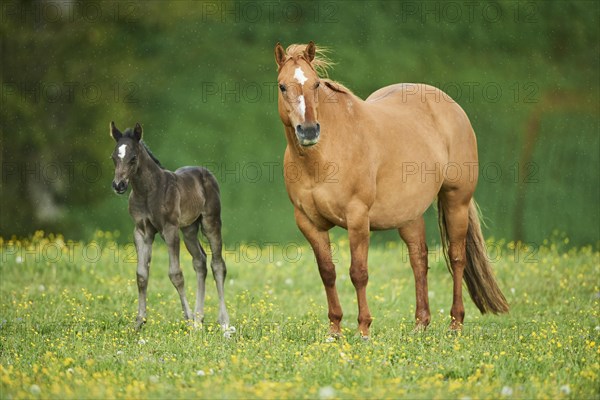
column 478, row 274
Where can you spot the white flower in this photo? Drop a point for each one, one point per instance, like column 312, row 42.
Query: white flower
column 565, row 389
column 200, row 373
column 289, row 281
column 153, row 379
column 326, row 392
column 35, row 389
column 19, row 260
column 120, row 352
column 506, row 391
column 141, row 341
column 42, row 288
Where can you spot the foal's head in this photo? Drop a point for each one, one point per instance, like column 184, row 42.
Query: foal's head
column 298, row 90
column 126, row 155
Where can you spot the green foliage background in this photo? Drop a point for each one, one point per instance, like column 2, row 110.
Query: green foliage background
column 200, row 77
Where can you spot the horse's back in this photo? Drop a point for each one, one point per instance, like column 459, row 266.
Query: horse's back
column 424, row 111
column 422, row 132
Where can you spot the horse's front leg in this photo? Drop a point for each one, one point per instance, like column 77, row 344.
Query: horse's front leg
column 171, row 236
column 319, row 241
column 143, row 245
column 357, row 218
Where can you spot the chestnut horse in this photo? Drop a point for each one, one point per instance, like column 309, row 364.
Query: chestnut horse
column 378, row 164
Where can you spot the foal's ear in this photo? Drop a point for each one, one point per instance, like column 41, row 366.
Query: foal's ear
column 114, row 132
column 279, row 54
column 137, row 132
column 309, row 52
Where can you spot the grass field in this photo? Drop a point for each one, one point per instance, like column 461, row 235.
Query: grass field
column 67, row 310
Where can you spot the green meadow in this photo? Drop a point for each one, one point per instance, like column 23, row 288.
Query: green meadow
column 67, row 311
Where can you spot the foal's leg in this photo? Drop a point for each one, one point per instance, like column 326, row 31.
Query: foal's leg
column 190, row 237
column 319, row 241
column 171, row 236
column 358, row 234
column 456, row 212
column 143, row 245
column 211, row 227
column 413, row 235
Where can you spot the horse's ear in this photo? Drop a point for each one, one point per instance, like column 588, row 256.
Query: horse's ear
column 137, row 132
column 309, row 52
column 114, row 132
column 279, row 54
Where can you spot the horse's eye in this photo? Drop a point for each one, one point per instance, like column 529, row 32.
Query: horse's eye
column 317, row 84
column 282, row 88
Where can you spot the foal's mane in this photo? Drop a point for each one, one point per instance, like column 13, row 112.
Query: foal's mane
column 321, row 64
column 129, row 133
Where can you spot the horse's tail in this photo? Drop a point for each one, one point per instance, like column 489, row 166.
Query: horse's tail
column 478, row 275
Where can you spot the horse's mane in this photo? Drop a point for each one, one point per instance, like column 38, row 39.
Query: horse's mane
column 129, row 133
column 150, row 154
column 321, row 62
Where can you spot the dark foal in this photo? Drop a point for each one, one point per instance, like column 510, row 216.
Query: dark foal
column 164, row 202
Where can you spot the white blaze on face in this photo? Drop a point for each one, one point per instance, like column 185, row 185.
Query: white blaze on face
column 299, row 75
column 301, row 78
column 122, row 151
column 301, row 106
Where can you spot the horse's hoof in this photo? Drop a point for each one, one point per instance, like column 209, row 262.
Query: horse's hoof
column 332, row 337
column 455, row 326
column 419, row 328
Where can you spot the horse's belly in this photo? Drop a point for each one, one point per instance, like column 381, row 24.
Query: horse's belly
column 398, row 204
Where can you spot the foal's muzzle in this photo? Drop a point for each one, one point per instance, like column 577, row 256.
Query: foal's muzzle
column 120, row 187
column 308, row 134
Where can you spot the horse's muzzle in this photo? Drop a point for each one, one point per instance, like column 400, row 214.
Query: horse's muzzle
column 308, row 134
column 120, row 187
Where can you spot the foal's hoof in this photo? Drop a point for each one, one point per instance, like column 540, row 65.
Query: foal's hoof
column 195, row 325
column 139, row 323
column 228, row 331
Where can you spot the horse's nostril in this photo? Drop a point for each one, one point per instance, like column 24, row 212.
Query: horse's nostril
column 299, row 128
column 318, row 126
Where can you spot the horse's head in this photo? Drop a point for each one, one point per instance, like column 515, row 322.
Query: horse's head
column 298, row 91
column 126, row 155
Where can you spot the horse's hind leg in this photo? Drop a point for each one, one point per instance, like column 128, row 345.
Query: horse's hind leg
column 413, row 235
column 211, row 227
column 456, row 214
column 171, row 236
column 190, row 238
